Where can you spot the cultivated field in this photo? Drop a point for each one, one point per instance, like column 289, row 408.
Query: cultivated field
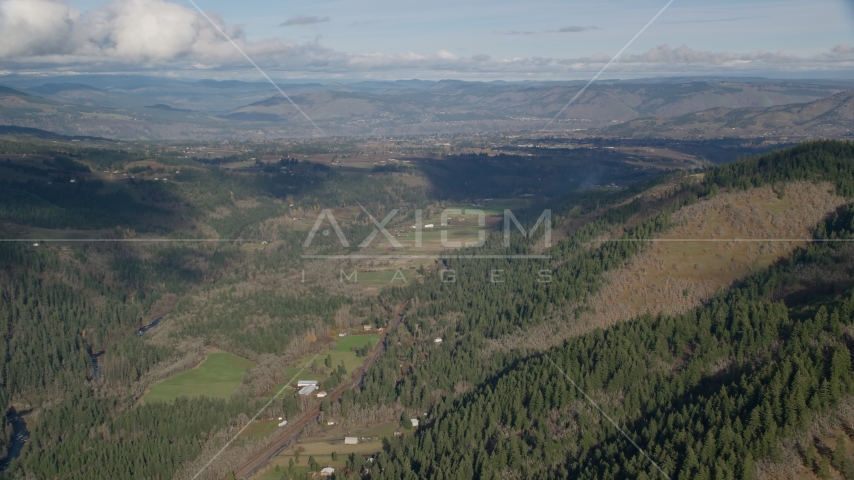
column 344, row 344
column 218, row 376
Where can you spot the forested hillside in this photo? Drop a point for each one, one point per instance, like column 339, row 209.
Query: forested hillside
column 723, row 385
column 734, row 382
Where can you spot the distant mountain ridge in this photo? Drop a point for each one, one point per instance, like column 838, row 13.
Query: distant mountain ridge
column 54, row 88
column 450, row 100
column 170, row 109
column 12, row 91
column 35, row 132
column 832, row 116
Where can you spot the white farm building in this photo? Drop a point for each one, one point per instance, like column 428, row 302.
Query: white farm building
column 306, row 390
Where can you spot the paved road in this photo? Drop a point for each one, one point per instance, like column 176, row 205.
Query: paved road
column 293, row 431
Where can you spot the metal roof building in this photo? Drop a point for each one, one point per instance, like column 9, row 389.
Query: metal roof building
column 306, row 390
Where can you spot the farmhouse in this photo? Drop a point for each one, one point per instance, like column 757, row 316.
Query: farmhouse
column 326, row 472
column 414, row 422
column 351, row 440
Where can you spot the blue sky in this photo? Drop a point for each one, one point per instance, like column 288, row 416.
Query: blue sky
column 446, row 38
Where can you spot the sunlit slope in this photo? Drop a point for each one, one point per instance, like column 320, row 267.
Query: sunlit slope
column 712, row 244
column 744, row 218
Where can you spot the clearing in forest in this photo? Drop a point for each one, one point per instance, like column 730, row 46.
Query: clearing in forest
column 218, row 376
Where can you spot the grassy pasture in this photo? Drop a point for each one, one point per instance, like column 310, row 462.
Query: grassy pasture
column 259, row 429
column 218, row 376
column 345, row 343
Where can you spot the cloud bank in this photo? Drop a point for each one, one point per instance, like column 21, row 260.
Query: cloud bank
column 133, row 33
column 148, row 35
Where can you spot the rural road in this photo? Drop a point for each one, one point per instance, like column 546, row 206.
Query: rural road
column 293, row 431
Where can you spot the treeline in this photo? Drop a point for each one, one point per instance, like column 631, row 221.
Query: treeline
column 85, row 437
column 83, row 205
column 544, row 172
column 262, row 321
column 820, row 160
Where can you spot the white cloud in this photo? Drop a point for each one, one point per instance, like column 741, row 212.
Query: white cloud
column 36, row 27
column 303, row 21
column 136, row 32
column 843, row 49
column 163, row 35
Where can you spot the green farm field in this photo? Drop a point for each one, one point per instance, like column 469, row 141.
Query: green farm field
column 218, row 376
column 258, row 429
column 344, row 344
